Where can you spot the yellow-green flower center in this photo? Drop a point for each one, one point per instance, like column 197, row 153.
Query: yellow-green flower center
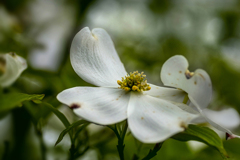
column 134, row 82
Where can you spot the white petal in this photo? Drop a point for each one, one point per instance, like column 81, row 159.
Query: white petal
column 95, row 59
column 97, row 104
column 198, row 87
column 227, row 118
column 187, row 108
column 173, row 71
column 215, row 125
column 170, row 94
column 14, row 66
column 153, row 120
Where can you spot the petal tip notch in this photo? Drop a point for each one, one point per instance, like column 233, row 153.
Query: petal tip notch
column 188, row 74
column 94, row 36
column 87, row 32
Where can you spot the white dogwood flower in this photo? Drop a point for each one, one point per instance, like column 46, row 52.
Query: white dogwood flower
column 11, row 66
column 120, row 95
column 196, row 84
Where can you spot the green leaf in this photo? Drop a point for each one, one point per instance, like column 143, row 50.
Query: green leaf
column 153, row 152
column 13, row 100
column 37, row 111
column 202, row 134
column 59, row 114
column 77, row 132
column 65, row 131
column 43, row 109
column 61, row 117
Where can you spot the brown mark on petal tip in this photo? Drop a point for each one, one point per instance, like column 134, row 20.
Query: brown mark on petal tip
column 169, row 74
column 229, row 136
column 195, row 83
column 180, row 71
column 183, row 125
column 142, row 118
column 75, row 106
column 201, row 76
column 12, row 54
column 153, row 111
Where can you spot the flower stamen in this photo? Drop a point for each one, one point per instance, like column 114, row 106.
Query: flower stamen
column 134, row 82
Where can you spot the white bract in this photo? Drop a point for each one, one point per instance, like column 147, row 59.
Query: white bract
column 11, row 66
column 151, row 115
column 228, row 117
column 196, row 84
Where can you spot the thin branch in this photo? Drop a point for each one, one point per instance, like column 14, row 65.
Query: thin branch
column 153, row 152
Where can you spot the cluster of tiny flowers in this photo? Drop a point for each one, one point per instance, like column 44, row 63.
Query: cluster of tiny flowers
column 134, row 82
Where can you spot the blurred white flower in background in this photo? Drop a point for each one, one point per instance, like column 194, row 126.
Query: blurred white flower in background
column 11, row 66
column 51, row 24
column 51, row 133
column 9, row 22
column 128, row 18
column 6, row 134
column 230, row 52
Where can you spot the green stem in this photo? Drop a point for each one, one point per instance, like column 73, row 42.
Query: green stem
column 1, row 90
column 43, row 147
column 124, row 130
column 72, row 152
column 121, row 144
column 6, row 150
column 120, row 136
column 38, row 130
column 82, row 153
column 185, row 100
column 79, row 130
column 135, row 157
column 115, row 131
column 153, row 152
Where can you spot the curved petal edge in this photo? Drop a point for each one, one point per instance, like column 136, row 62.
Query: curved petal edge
column 99, row 105
column 95, row 59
